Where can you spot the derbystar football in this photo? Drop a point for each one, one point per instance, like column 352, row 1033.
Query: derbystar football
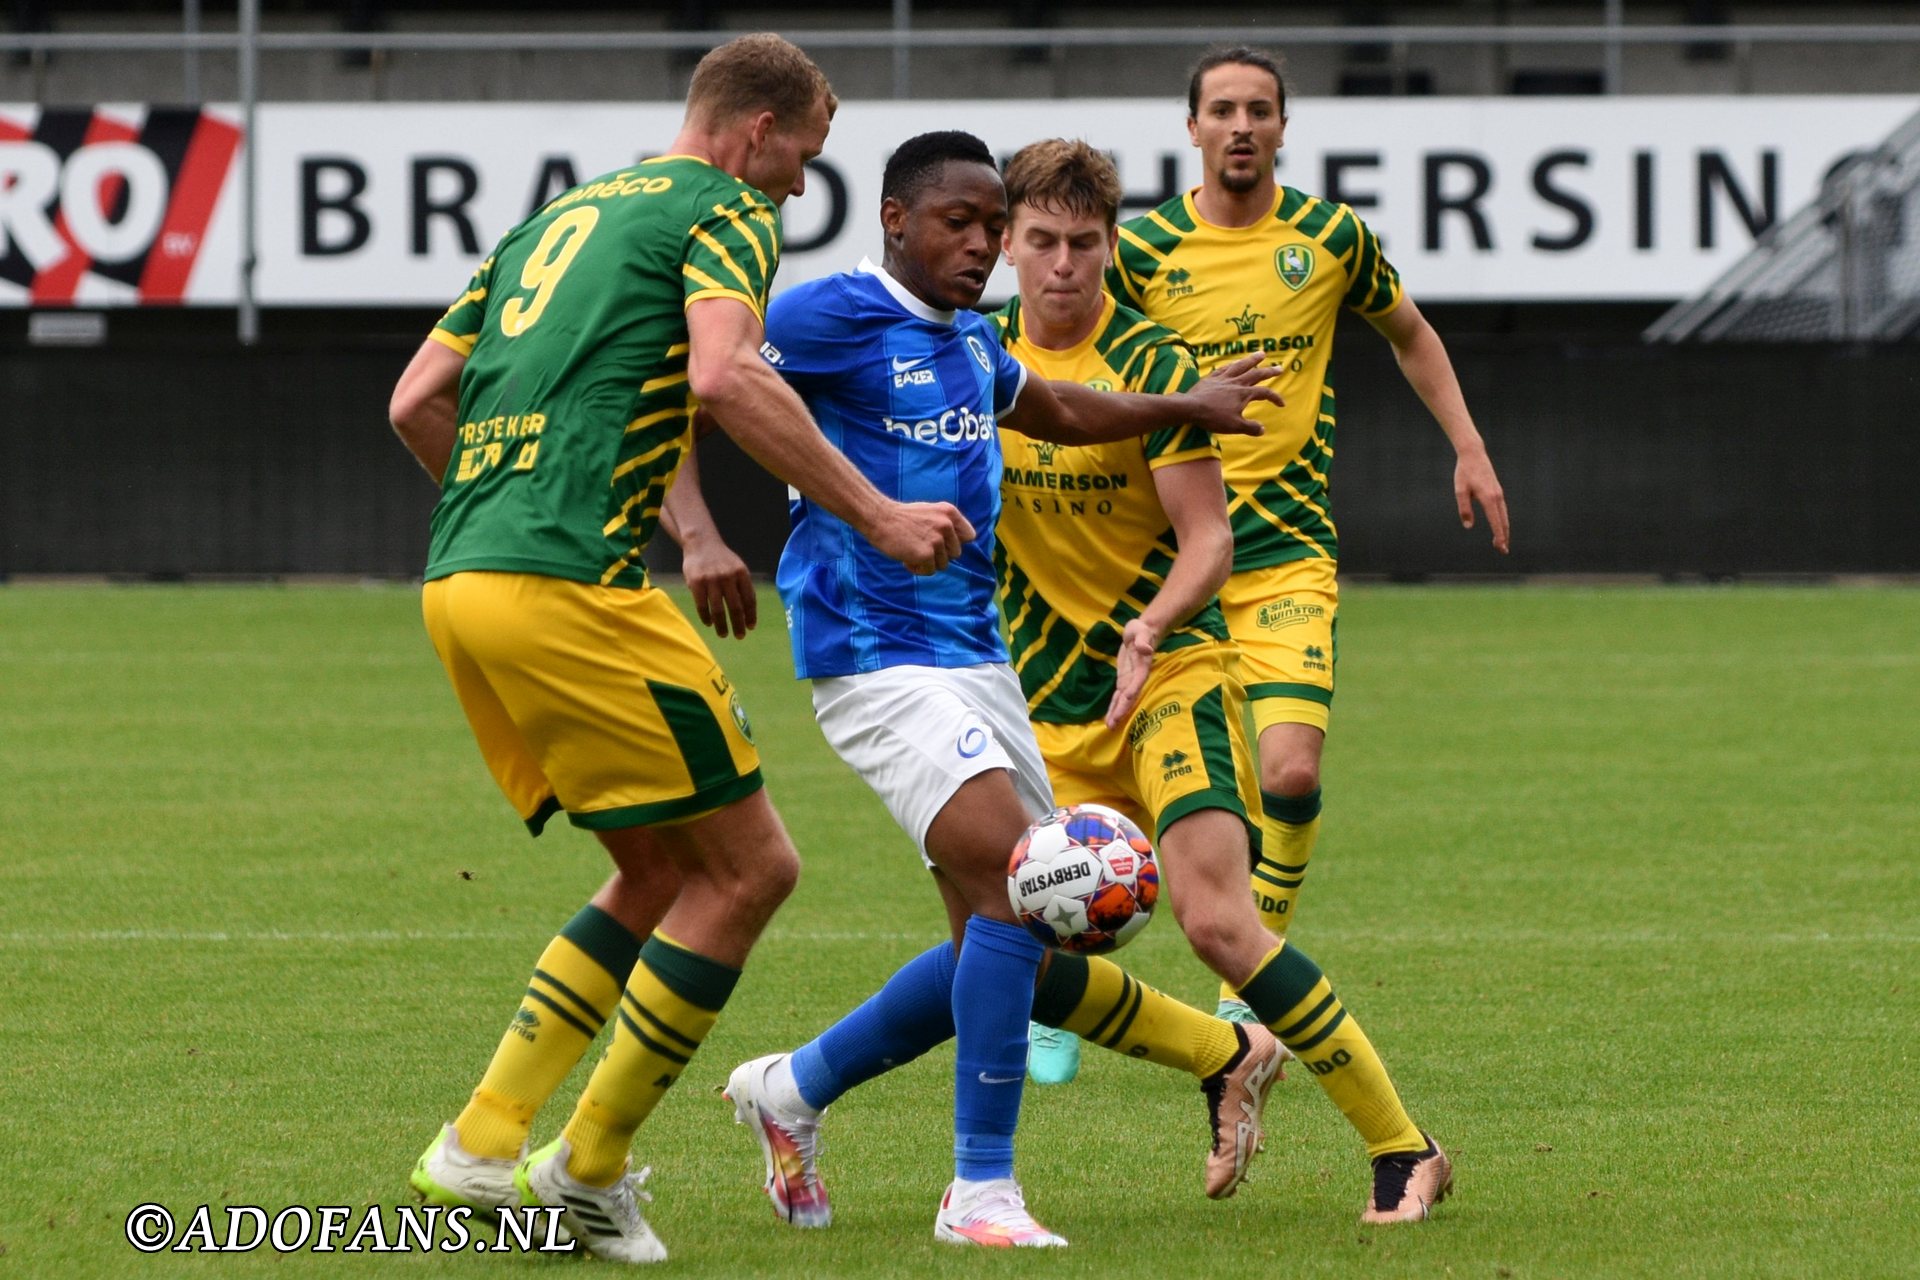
column 1084, row 879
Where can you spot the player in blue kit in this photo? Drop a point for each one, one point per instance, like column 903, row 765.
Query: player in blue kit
column 911, row 682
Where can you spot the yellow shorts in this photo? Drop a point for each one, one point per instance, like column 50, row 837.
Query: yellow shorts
column 602, row 701
column 1185, row 749
column 1282, row 617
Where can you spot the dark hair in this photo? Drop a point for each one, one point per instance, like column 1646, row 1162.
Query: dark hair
column 1068, row 176
column 918, row 161
column 1235, row 55
column 755, row 73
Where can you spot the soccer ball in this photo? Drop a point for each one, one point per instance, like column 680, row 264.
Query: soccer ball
column 1083, row 879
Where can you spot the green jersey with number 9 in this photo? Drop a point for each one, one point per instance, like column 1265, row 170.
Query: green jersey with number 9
column 574, row 406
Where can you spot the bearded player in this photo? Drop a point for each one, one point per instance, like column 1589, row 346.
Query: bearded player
column 1242, row 264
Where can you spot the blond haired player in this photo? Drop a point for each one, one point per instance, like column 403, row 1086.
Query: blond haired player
column 1110, row 557
column 1241, row 264
column 554, row 403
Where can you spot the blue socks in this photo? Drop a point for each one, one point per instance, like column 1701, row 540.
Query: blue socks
column 992, row 1000
column 985, row 999
column 898, row 1023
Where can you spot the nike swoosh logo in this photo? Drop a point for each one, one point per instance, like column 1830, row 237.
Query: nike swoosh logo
column 901, row 366
column 987, row 1079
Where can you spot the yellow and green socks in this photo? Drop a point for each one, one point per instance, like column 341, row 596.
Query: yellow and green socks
column 574, row 988
column 1297, row 1003
column 1289, row 827
column 671, row 1002
column 1103, row 1004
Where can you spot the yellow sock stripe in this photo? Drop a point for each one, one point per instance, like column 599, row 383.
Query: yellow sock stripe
column 1264, row 873
column 584, row 1007
column 1308, row 1010
column 588, row 1026
column 655, row 1021
column 1129, row 999
column 1302, row 1035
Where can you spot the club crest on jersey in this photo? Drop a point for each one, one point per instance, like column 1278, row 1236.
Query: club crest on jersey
column 980, row 353
column 1295, row 265
column 1099, row 384
column 740, row 720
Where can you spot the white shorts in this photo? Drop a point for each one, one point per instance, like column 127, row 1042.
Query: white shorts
column 914, row 734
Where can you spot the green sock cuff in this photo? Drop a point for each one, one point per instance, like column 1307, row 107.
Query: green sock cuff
column 1299, row 810
column 1282, row 983
column 703, row 983
column 605, row 940
column 1060, row 989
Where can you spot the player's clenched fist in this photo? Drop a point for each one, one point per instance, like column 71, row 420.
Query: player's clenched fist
column 924, row 536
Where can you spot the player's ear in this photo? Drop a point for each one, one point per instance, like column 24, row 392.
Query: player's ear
column 893, row 218
column 759, row 128
column 1193, row 131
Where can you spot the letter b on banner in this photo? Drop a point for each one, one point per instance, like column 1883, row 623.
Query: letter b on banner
column 344, row 182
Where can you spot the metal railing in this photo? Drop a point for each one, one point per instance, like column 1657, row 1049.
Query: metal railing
column 903, row 39
column 1845, row 268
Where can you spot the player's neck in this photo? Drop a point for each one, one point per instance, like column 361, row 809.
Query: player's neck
column 1064, row 336
column 702, row 144
column 1224, row 208
column 900, row 275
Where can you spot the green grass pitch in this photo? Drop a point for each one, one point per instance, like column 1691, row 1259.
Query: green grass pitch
column 1621, row 881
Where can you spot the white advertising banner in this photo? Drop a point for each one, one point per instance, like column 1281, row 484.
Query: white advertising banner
column 1475, row 199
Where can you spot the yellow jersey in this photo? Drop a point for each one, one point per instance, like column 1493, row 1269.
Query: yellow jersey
column 1274, row 288
column 1084, row 544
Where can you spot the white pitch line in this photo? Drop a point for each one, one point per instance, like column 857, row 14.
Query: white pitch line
column 362, row 937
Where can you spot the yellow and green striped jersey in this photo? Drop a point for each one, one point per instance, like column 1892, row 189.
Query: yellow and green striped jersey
column 1275, row 288
column 1084, row 543
column 574, row 404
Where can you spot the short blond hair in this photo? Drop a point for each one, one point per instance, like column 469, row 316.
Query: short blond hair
column 756, row 73
column 1066, row 175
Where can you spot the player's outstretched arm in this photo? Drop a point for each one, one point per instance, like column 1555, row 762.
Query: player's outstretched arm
column 1428, row 370
column 716, row 576
column 425, row 406
column 1195, row 498
column 764, row 415
column 1069, row 413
